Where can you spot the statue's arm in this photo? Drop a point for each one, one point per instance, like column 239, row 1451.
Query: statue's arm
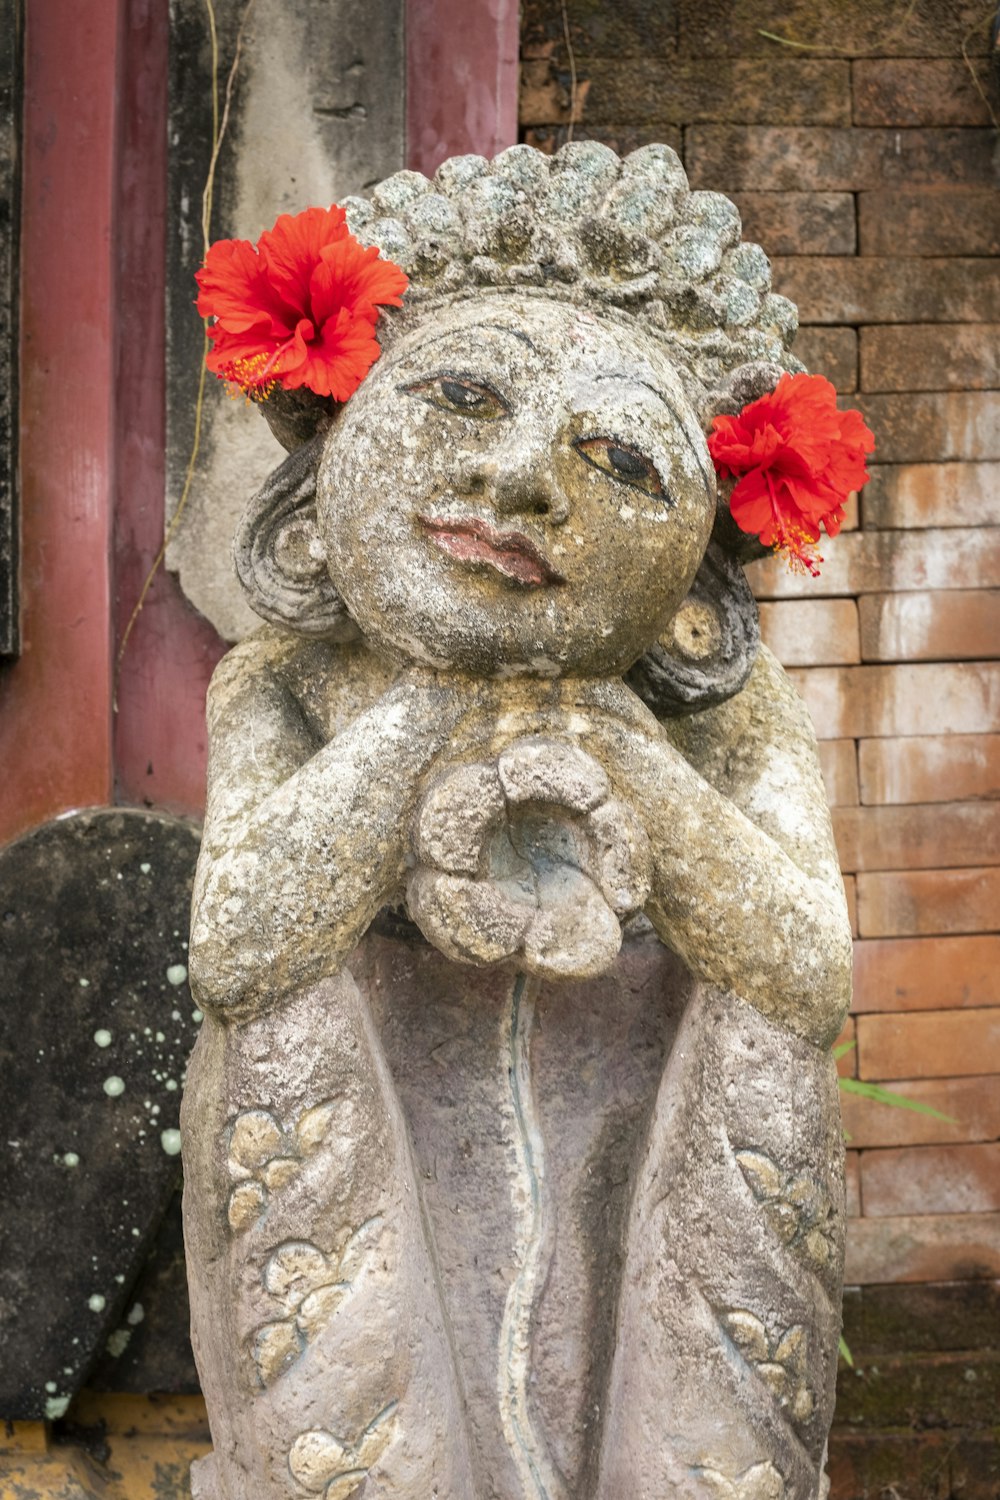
column 747, row 885
column 301, row 845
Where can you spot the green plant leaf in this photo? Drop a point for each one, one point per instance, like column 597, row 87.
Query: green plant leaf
column 886, row 1096
column 843, row 1049
column 845, row 1352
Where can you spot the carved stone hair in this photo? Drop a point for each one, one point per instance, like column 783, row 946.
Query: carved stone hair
column 586, row 225
column 629, row 238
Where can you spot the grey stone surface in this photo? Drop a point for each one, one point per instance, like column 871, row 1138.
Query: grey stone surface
column 96, row 1025
column 549, row 1205
column 316, row 114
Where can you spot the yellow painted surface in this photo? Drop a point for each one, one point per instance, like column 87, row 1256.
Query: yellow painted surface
column 137, row 1448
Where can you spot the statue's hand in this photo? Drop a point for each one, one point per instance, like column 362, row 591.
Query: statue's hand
column 528, row 856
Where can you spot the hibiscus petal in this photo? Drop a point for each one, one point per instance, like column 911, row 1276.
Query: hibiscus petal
column 335, row 363
column 799, row 458
column 751, row 508
column 234, row 288
column 350, row 275
column 292, row 249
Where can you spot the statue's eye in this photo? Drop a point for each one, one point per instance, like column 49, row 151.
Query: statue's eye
column 627, row 465
column 456, row 393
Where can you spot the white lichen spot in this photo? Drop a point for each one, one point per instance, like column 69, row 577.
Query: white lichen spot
column 55, row 1407
column 197, row 1016
column 118, row 1342
column 114, row 1086
column 170, row 1140
column 145, row 868
column 51, row 1387
column 102, row 1037
column 160, row 1037
column 84, row 983
column 136, row 1314
column 177, row 973
column 97, row 1303
column 70, row 1159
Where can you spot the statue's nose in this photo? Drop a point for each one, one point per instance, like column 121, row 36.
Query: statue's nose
column 517, row 483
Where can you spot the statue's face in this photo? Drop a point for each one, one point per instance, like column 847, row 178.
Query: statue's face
column 517, row 487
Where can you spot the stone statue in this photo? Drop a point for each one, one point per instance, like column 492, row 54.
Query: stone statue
column 512, row 1140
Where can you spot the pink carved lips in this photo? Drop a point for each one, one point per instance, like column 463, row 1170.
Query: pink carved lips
column 509, row 552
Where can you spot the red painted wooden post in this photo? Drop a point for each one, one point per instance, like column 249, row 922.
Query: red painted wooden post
column 93, row 226
column 461, row 79
column 55, row 701
column 171, row 651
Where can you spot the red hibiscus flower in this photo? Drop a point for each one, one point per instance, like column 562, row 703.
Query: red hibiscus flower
column 299, row 309
column 796, row 458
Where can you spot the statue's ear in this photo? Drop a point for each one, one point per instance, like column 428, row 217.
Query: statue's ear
column 279, row 554
column 707, row 651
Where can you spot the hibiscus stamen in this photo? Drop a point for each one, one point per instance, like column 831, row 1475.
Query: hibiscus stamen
column 250, row 378
column 792, row 542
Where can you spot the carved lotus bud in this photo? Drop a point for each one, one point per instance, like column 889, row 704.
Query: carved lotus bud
column 529, row 857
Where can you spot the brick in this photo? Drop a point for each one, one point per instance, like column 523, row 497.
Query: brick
column 919, row 698
column 871, row 1465
column 913, row 92
column 838, row 761
column 621, row 138
column 642, row 91
column 853, row 28
column 973, row 1104
column 832, row 352
column 927, row 1317
column 928, row 221
column 878, row 562
column 888, row 1392
column 907, row 289
column 925, row 495
column 974, row 1463
column 851, row 893
column 827, row 159
column 934, row 427
column 799, row 223
column 640, row 29
column 919, row 903
column 929, row 1044
column 931, row 357
column 545, row 93
column 931, row 1179
column 847, row 1064
column 934, row 837
column 923, row 1247
column 965, row 767
column 852, row 1182
column 926, row 973
column 811, row 632
column 948, row 625
column 852, row 513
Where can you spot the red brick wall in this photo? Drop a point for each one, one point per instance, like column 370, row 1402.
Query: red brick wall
column 867, row 166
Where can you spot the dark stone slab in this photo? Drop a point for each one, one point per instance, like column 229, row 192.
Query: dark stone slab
column 96, row 1023
column 150, row 1350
